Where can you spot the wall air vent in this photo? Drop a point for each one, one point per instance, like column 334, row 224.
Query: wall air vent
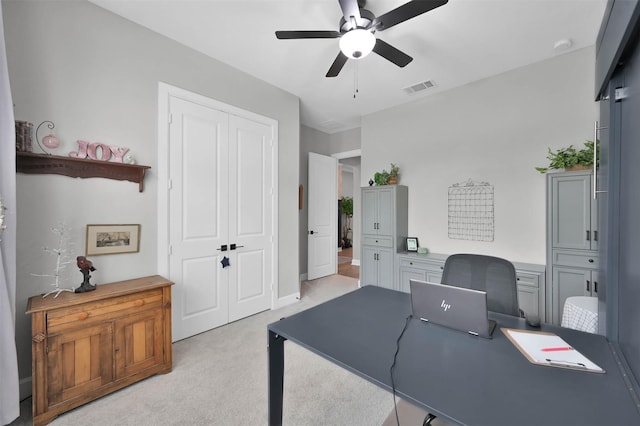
column 418, row 87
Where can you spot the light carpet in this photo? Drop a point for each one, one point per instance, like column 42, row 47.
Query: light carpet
column 220, row 378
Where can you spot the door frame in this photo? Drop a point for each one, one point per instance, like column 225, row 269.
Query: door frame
column 165, row 91
column 357, row 202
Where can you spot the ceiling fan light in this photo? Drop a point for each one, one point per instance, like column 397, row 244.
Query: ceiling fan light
column 358, row 43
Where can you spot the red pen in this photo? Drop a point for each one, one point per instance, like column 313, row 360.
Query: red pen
column 565, row 348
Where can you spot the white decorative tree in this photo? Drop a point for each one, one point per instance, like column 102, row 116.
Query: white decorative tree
column 63, row 259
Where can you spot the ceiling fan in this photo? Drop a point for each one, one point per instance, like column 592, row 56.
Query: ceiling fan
column 357, row 28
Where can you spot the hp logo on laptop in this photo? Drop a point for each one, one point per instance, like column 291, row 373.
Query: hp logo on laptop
column 445, row 306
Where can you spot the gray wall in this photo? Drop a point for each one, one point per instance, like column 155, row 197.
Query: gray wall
column 349, row 140
column 96, row 76
column 495, row 130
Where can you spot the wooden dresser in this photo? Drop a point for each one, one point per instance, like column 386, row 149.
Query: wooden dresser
column 87, row 345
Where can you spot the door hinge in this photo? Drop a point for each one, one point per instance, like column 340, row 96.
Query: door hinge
column 169, row 184
column 170, row 249
column 170, row 118
column 621, row 93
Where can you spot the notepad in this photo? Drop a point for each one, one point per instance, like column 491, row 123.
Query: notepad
column 550, row 350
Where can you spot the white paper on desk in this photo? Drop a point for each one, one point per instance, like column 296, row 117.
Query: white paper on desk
column 533, row 344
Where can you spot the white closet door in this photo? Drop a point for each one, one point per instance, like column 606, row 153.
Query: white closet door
column 250, row 222
column 198, row 212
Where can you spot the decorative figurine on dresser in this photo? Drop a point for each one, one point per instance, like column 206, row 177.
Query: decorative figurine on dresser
column 86, row 266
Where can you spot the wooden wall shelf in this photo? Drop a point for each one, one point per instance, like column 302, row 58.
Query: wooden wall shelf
column 27, row 162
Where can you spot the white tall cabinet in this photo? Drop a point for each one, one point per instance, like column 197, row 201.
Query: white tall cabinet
column 384, row 229
column 572, row 239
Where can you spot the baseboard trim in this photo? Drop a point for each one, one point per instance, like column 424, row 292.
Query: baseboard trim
column 303, row 277
column 288, row 300
column 355, row 262
column 25, row 388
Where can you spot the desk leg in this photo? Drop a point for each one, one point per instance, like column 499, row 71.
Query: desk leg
column 276, row 378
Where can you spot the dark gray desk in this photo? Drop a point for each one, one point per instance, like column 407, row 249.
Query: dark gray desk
column 466, row 379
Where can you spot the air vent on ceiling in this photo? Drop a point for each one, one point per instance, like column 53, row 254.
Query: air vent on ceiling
column 418, row 87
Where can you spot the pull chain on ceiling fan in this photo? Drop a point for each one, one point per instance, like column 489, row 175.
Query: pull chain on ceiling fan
column 357, row 29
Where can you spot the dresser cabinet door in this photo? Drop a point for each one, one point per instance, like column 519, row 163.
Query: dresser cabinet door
column 78, row 361
column 569, row 282
column 138, row 342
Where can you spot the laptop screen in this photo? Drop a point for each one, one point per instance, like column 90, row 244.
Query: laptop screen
column 454, row 307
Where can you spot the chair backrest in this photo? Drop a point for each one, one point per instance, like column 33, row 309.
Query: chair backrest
column 494, row 275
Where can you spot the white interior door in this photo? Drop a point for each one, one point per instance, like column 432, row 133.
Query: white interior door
column 322, row 216
column 198, row 212
column 250, row 226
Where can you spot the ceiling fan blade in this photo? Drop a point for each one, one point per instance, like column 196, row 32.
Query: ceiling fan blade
column 392, row 54
column 350, row 8
column 405, row 12
column 337, row 65
column 288, row 35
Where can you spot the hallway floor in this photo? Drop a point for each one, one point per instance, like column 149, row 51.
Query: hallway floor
column 344, row 264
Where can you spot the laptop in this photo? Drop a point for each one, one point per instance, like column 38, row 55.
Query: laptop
column 459, row 308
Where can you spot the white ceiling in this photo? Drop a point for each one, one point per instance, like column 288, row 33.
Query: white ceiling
column 458, row 43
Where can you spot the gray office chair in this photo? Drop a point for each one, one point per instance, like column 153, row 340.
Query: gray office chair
column 494, row 275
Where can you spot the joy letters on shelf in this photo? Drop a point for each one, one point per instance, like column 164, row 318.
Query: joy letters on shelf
column 99, row 151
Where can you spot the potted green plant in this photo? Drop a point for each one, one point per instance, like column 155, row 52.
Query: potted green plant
column 570, row 158
column 393, row 174
column 385, row 178
column 347, row 209
column 381, row 178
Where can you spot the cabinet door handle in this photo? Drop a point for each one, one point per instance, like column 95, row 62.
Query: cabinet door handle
column 595, row 286
column 138, row 303
column 410, row 263
column 83, row 315
column 588, row 285
column 588, row 236
column 590, row 260
column 595, row 235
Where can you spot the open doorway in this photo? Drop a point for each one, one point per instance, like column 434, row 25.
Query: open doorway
column 348, row 215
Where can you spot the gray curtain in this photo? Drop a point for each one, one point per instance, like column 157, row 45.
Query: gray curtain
column 9, row 391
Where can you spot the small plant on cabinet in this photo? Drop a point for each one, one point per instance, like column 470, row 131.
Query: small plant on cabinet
column 568, row 158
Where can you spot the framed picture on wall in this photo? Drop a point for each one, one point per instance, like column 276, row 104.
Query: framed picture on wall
column 412, row 244
column 112, row 239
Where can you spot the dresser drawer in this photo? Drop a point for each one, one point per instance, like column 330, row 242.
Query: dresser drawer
column 103, row 310
column 529, row 280
column 368, row 240
column 574, row 258
column 421, row 264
